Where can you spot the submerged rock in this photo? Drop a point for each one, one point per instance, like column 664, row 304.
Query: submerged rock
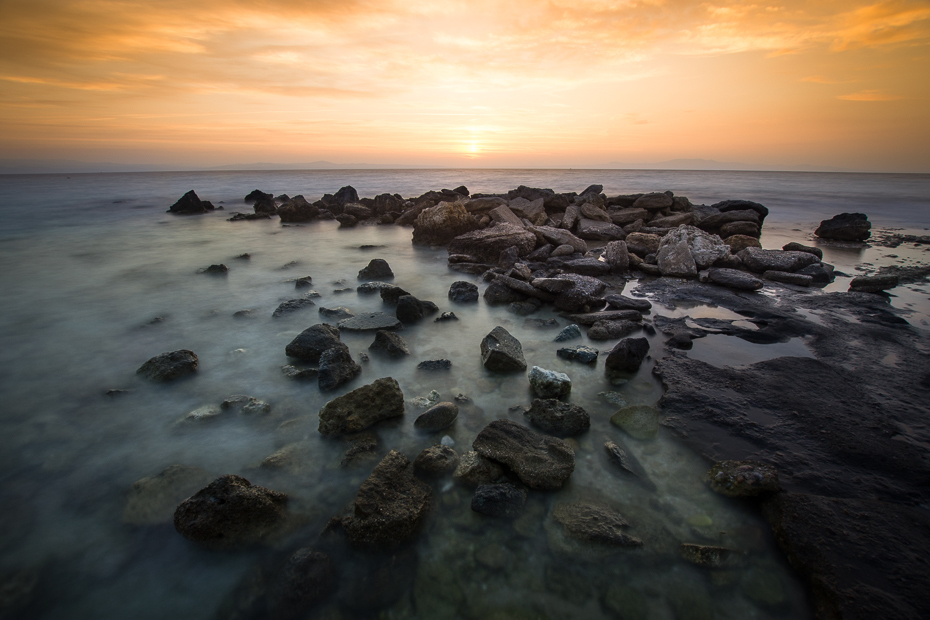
column 337, row 367
column 708, row 556
column 245, row 405
column 230, row 513
column 390, row 507
column 441, row 364
column 620, row 455
column 743, row 478
column 362, row 408
column 569, row 333
column 153, row 500
column 541, row 462
column 437, row 417
column 307, row 579
column 594, row 523
column 312, row 342
column 502, row 352
column 499, row 500
column 580, row 353
column 292, row 305
column 170, row 366
column 639, row 421
column 558, row 418
column 549, row 383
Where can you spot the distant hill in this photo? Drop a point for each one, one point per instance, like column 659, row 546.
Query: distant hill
column 711, row 164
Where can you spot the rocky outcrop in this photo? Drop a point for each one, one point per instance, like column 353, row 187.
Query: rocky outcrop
column 297, row 209
column 440, row 224
column 230, row 513
column 845, row 227
column 558, row 418
column 539, row 461
column 170, row 366
column 312, row 342
column 501, row 352
column 362, row 408
column 390, row 507
column 487, row 244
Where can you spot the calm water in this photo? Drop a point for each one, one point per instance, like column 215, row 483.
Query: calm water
column 97, row 278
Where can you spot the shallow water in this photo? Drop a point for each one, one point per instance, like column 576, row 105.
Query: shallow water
column 94, row 287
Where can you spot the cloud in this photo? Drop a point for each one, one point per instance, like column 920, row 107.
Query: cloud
column 869, row 95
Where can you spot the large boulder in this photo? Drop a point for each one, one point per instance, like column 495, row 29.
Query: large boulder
column 230, row 513
column 310, row 344
column 188, row 204
column 539, row 461
column 627, row 355
column 558, row 418
column 845, row 227
column 687, row 249
column 487, row 244
column 390, row 507
column 440, row 224
column 760, row 261
column 170, row 366
column 362, row 408
column 549, row 383
column 377, row 269
column 337, row 367
column 345, row 195
column 502, row 352
column 297, row 209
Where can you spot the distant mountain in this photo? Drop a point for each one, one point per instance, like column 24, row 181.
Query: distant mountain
column 68, row 166
column 711, row 164
column 314, row 165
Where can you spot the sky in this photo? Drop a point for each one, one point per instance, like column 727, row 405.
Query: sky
column 517, row 83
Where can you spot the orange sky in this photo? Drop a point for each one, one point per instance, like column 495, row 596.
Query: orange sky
column 461, row 83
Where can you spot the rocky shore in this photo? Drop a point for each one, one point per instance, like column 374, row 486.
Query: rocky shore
column 831, row 449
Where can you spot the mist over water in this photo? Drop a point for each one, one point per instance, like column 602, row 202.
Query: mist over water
column 97, row 279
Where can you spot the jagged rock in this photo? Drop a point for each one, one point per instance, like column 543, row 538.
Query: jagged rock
column 594, row 523
column 549, row 383
column 473, row 470
column 539, row 461
column 552, row 285
column 558, row 236
column 377, row 269
column 581, row 353
column 586, row 266
column 337, row 367
column 872, row 284
column 390, row 507
column 257, row 194
column 292, row 305
column 568, row 333
column 440, row 224
column 487, row 244
column 643, row 243
column 558, row 418
column 170, row 366
column 743, row 478
column 734, row 278
column 617, row 256
column 619, row 454
column 760, row 261
column 390, row 294
column 437, row 417
column 389, row 343
column 188, row 204
column 627, row 355
column 499, row 500
column 502, row 352
column 622, row 217
column 372, row 287
column 503, row 215
column 845, row 227
column 297, row 209
column 362, row 408
column 532, row 210
column 438, row 460
column 446, row 316
column 594, row 230
column 312, row 342
column 370, row 321
column 570, row 217
column 152, row 500
column 230, row 513
column 686, row 249
column 463, row 292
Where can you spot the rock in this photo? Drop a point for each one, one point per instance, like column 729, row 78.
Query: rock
column 653, row 202
column 738, row 243
column 487, row 244
column 304, row 282
column 499, row 500
column 872, row 284
column 539, row 461
column 742, row 205
column 389, row 343
column 620, row 455
column 431, row 365
column 759, row 261
column 716, row 222
column 498, row 293
column 245, row 405
column 410, row 309
column 671, row 221
column 188, row 204
column 446, row 316
column 463, row 292
column 622, row 217
column 292, row 305
column 347, row 221
column 748, row 229
column 685, row 244
column 152, row 500
column 265, row 206
column 436, row 461
column 594, row 523
column 594, row 230
column 473, row 470
column 558, row 237
column 377, row 269
column 643, row 243
column 689, row 600
column 230, row 513
column 390, row 294
column 312, row 342
column 362, row 450
column 172, row 365
column 569, row 333
column 203, row 414
column 370, row 321
column 297, row 209
column 562, row 250
column 503, row 215
column 639, row 421
column 552, row 285
column 337, row 367
column 390, row 507
column 336, row 313
column 787, row 278
column 293, row 372
column 674, row 258
column 501, row 352
column 345, row 195
column 247, row 217
column 358, row 211
column 362, row 408
column 580, row 353
column 307, row 579
column 611, row 330
column 256, row 195
column 437, row 417
column 220, row 269
column 558, row 418
column 440, row 224
column 681, row 340
column 845, row 227
column 587, row 266
column 708, row 556
column 820, row 273
column 570, row 217
column 734, row 278
column 617, row 256
column 549, row 383
column 798, row 247
column 619, row 302
column 743, row 478
column 532, row 210
column 372, row 287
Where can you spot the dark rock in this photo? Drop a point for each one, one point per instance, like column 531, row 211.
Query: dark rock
column 297, row 209
column 265, row 206
column 188, row 204
column 473, row 470
column 390, row 294
column 220, row 269
column 292, row 305
column 508, row 258
column 653, row 202
column 245, row 405
column 502, row 352
column 798, row 247
column 594, row 523
column 463, row 292
column 239, row 217
column 337, row 367
column 549, row 383
column 437, row 417
column 524, row 288
column 642, row 244
column 590, row 318
column 581, row 353
column 442, row 364
column 540, row 323
column 560, row 236
column 759, row 260
column 391, row 505
column 788, row 278
column 558, row 418
column 743, row 478
column 152, row 500
column 358, row 211
column 410, row 309
column 539, row 461
column 820, row 273
column 587, row 266
column 347, row 221
column 389, row 343
column 621, row 456
column 362, row 408
column 336, row 313
column 257, row 194
column 307, row 579
column 872, row 284
column 372, row 287
column 172, row 365
column 441, row 224
column 304, row 282
column 312, row 342
column 845, row 227
column 734, row 278
column 739, row 243
column 741, row 205
column 619, row 302
column 487, row 244
column 345, row 195
column 617, row 256
column 370, row 321
column 593, row 230
column 436, row 461
column 499, row 500
column 498, row 293
column 569, row 333
column 708, row 556
column 446, row 316
column 230, row 513
column 611, row 330
column 627, row 355
column 680, row 340
column 377, row 269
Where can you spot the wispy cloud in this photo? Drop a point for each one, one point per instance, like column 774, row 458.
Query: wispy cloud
column 869, row 95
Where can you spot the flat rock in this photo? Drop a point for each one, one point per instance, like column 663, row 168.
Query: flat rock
column 440, row 364
column 549, row 383
column 370, row 321
column 338, row 313
column 590, row 318
column 539, row 461
column 559, row 236
column 362, row 408
column 437, row 417
column 785, row 277
column 594, row 523
column 733, row 278
column 611, row 330
column 170, row 366
column 759, row 260
column 558, row 418
column 639, row 421
column 799, row 247
column 619, row 302
column 872, row 284
column 502, row 352
column 292, row 305
column 845, row 227
column 594, row 230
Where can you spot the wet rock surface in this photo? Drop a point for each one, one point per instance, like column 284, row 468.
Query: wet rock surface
column 437, row 417
column 169, row 366
column 362, row 408
column 436, row 461
column 549, row 383
column 337, row 367
column 313, row 342
column 558, row 418
column 370, row 321
column 743, row 478
column 845, row 227
column 594, row 523
column 539, row 461
column 502, row 352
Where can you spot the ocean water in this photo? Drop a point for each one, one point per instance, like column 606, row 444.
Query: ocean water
column 97, row 278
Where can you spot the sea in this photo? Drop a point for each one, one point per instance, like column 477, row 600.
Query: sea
column 97, row 278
